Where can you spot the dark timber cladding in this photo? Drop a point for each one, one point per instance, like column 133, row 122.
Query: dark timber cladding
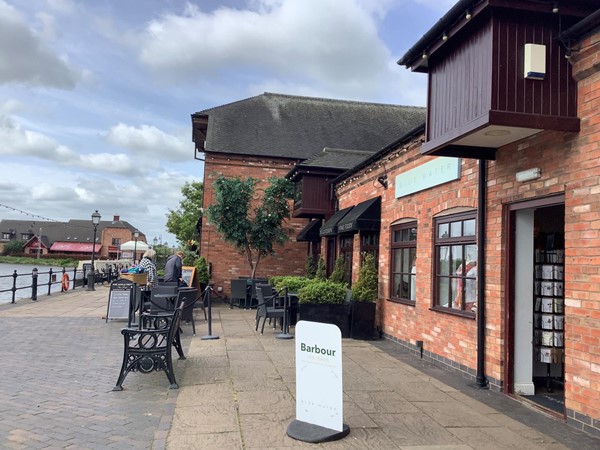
column 365, row 216
column 329, row 228
column 479, row 80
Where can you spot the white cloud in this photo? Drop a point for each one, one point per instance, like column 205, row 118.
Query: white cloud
column 62, row 6
column 332, row 42
column 16, row 141
column 25, row 58
column 11, row 106
column 150, row 142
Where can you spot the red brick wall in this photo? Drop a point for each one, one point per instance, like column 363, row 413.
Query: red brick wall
column 570, row 165
column 226, row 262
column 444, row 334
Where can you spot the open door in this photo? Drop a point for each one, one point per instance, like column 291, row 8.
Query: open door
column 535, row 303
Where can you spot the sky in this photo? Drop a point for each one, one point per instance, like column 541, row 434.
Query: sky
column 96, row 96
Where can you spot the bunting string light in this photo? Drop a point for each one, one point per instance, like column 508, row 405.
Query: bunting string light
column 45, row 219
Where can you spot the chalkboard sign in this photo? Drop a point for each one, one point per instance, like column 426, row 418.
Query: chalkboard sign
column 188, row 274
column 120, row 299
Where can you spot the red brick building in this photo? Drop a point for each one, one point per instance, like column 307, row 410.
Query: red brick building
column 72, row 238
column 266, row 136
column 489, row 238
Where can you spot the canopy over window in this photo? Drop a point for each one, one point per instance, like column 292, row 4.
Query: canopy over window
column 82, row 247
column 365, row 216
column 329, row 228
column 310, row 233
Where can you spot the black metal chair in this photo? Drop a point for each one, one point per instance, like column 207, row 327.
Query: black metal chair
column 268, row 308
column 162, row 298
column 239, row 292
column 149, row 349
column 190, row 296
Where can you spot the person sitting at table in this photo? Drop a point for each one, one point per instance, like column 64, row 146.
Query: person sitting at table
column 149, row 267
column 174, row 268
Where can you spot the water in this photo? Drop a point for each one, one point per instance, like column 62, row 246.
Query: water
column 24, row 280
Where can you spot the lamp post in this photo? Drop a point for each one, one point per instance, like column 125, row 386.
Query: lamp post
column 92, row 275
column 136, row 235
column 39, row 249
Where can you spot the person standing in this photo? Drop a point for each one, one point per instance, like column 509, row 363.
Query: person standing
column 174, row 268
column 149, row 267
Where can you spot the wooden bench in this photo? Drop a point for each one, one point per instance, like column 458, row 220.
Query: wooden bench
column 148, row 349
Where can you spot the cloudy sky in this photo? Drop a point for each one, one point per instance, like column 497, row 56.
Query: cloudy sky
column 96, row 95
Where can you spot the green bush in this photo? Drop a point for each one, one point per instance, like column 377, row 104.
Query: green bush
column 311, row 267
column 317, row 291
column 293, row 283
column 338, row 275
column 366, row 287
column 14, row 248
column 202, row 269
column 321, row 273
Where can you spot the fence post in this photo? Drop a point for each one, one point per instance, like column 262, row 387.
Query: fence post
column 34, row 279
column 49, row 280
column 14, row 286
column 74, row 277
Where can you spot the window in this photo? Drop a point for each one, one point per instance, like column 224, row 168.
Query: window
column 456, row 263
column 25, row 236
column 346, row 247
column 369, row 243
column 116, row 241
column 5, row 235
column 403, row 262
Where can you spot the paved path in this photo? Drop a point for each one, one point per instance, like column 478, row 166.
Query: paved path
column 59, row 362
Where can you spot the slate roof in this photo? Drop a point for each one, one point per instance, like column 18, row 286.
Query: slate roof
column 73, row 230
column 335, row 158
column 296, row 127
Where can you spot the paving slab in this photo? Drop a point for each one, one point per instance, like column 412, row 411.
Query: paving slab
column 60, row 360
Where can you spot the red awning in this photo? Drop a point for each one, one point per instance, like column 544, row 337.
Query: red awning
column 81, row 247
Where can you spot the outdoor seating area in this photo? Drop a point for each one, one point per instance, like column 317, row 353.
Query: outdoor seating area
column 243, row 291
column 148, row 343
column 236, row 391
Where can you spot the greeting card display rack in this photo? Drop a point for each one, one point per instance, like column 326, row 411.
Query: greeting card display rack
column 549, row 318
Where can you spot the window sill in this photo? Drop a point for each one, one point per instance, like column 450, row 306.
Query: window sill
column 402, row 301
column 454, row 312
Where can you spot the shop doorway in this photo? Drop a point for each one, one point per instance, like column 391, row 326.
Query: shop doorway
column 535, row 309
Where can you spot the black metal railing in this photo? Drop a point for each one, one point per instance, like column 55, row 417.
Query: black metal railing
column 49, row 278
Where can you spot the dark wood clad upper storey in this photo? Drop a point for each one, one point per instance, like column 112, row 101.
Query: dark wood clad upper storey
column 479, row 98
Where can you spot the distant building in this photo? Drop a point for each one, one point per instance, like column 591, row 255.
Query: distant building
column 73, row 238
column 267, row 136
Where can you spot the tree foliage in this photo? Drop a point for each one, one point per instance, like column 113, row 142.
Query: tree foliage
column 338, row 275
column 252, row 230
column 311, row 266
column 321, row 273
column 14, row 248
column 182, row 221
column 366, row 287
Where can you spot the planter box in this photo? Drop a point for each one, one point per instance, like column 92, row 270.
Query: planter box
column 362, row 320
column 137, row 278
column 337, row 315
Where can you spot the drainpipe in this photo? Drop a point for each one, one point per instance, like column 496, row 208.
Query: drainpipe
column 481, row 381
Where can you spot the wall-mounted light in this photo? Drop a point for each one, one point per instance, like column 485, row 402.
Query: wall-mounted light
column 468, row 15
column 383, row 180
column 444, row 37
column 424, row 55
column 529, row 174
column 555, row 8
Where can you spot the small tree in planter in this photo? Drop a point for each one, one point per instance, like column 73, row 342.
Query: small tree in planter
column 325, row 302
column 338, row 275
column 203, row 273
column 364, row 296
column 311, row 267
column 321, row 273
